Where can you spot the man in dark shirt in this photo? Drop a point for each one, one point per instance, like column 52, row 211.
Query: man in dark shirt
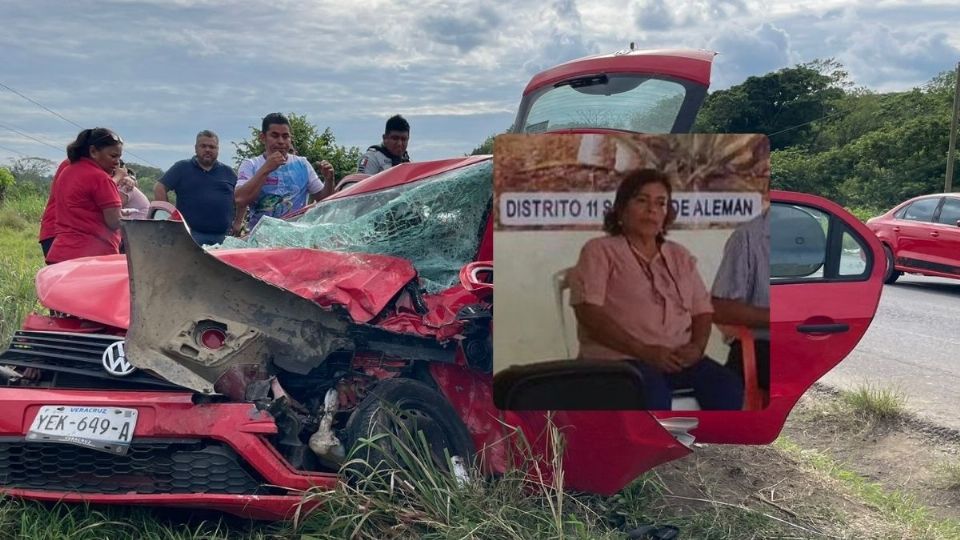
column 392, row 152
column 204, row 189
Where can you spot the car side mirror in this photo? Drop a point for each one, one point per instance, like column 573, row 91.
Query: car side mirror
column 958, row 223
column 163, row 211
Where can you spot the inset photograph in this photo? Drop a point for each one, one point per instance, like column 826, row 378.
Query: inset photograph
column 632, row 272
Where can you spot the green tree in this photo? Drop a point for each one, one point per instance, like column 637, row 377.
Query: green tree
column 784, row 104
column 486, row 147
column 36, row 170
column 309, row 142
column 889, row 165
column 6, row 181
column 147, row 177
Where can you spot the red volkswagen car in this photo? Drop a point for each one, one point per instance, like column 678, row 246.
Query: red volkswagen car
column 234, row 379
column 921, row 236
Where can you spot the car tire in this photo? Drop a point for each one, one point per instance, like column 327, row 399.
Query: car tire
column 891, row 274
column 416, row 407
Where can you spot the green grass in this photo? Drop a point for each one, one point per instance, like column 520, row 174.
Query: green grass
column 875, row 403
column 948, row 474
column 912, row 518
column 35, row 521
column 20, row 258
column 408, row 497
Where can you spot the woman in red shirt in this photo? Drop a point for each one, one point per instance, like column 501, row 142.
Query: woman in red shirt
column 87, row 199
column 48, row 222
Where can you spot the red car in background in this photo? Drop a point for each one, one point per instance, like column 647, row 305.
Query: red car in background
column 921, row 236
column 236, row 378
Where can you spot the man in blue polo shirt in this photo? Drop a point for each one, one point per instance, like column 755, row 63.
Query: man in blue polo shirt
column 205, row 190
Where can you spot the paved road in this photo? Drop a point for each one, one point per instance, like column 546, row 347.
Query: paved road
column 913, row 344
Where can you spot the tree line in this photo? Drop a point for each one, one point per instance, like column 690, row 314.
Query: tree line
column 866, row 150
column 32, row 175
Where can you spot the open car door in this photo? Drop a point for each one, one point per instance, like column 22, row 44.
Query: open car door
column 826, row 275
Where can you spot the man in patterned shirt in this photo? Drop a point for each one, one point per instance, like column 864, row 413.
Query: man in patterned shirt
column 278, row 182
column 741, row 291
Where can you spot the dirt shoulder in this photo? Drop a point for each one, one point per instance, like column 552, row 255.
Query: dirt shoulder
column 830, row 475
column 906, row 454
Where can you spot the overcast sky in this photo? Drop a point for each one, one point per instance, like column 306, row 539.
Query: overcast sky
column 158, row 71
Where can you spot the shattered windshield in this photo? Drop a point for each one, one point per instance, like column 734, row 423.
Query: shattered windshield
column 435, row 223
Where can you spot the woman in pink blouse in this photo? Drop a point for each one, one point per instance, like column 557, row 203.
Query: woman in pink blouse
column 639, row 296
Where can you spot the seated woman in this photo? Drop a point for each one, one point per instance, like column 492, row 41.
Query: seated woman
column 87, row 199
column 639, row 296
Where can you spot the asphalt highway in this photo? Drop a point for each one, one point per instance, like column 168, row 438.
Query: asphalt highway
column 913, row 344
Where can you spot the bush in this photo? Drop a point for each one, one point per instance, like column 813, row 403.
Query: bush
column 876, row 403
column 6, row 181
column 863, row 213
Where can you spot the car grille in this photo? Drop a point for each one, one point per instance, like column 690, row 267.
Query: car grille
column 149, row 467
column 74, row 354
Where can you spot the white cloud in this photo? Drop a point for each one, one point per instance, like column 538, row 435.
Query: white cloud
column 744, row 52
column 883, row 58
column 653, row 15
column 160, row 70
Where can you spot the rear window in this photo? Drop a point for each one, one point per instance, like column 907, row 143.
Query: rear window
column 624, row 102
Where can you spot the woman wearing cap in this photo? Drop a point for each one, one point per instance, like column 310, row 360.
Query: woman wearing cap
column 87, row 199
column 639, row 296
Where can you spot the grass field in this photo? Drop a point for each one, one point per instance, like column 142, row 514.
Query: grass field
column 20, row 258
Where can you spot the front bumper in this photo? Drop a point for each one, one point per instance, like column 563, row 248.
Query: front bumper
column 183, row 454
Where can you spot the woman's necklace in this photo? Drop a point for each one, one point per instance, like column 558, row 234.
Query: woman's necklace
column 637, row 253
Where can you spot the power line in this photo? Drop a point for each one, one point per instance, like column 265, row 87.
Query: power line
column 17, row 131
column 143, row 159
column 42, row 106
column 14, row 151
column 64, row 118
column 806, row 123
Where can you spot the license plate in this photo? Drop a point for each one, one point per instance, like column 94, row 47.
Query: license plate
column 109, row 429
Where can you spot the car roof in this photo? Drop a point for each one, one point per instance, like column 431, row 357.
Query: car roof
column 690, row 64
column 405, row 173
column 928, row 196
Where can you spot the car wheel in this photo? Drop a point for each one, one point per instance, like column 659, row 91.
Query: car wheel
column 395, row 410
column 892, row 274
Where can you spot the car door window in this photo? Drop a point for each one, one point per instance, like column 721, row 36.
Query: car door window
column 798, row 240
column 807, row 244
column 921, row 210
column 950, row 213
column 853, row 258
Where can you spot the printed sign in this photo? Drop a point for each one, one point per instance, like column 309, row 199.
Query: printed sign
column 519, row 209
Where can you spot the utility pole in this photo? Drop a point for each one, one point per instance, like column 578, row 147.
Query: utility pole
column 948, row 182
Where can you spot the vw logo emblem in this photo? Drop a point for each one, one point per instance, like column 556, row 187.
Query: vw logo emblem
column 115, row 360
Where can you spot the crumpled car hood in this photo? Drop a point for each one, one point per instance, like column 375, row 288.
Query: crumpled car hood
column 97, row 288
